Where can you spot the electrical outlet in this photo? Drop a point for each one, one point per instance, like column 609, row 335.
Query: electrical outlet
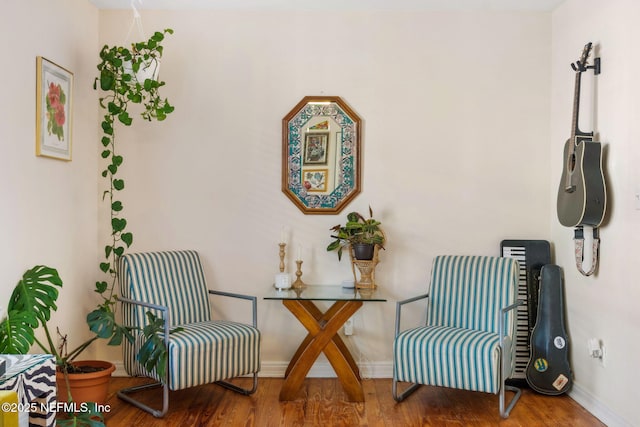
column 593, row 345
column 597, row 350
column 348, row 327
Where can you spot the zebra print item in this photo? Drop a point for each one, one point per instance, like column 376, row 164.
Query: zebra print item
column 33, row 377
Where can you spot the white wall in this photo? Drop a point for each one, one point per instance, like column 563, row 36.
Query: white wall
column 49, row 210
column 604, row 306
column 458, row 109
column 456, row 124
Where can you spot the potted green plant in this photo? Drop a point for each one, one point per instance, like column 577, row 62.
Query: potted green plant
column 360, row 233
column 30, row 306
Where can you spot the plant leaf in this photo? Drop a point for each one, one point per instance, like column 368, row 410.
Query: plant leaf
column 90, row 417
column 127, row 238
column 107, row 80
column 118, row 224
column 120, row 332
column 17, row 332
column 101, row 287
column 153, row 353
column 333, row 245
column 118, row 184
column 37, row 292
column 30, row 305
column 106, row 127
column 101, row 322
column 125, row 119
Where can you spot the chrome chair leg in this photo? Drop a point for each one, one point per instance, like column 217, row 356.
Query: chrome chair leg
column 124, row 394
column 400, row 397
column 244, row 391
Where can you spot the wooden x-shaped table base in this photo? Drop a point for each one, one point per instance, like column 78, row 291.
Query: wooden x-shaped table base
column 322, row 338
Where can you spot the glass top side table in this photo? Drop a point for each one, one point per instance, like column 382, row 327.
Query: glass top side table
column 326, row 293
column 322, row 336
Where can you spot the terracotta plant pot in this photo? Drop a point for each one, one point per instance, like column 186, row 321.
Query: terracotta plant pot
column 86, row 387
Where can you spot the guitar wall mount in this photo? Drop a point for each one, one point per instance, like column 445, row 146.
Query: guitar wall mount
column 595, row 67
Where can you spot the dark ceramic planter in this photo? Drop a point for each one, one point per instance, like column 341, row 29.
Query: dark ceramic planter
column 363, row 251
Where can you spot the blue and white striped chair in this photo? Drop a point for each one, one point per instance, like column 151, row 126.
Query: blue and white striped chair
column 466, row 342
column 172, row 286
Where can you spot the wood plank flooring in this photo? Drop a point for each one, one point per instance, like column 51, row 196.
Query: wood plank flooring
column 322, row 402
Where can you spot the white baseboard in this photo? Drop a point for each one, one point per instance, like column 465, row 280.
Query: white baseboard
column 120, row 371
column 324, row 370
column 597, row 408
column 318, row 370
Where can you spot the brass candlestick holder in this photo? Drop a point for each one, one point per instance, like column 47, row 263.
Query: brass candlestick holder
column 282, row 245
column 298, row 284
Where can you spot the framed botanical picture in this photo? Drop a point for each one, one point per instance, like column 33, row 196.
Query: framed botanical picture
column 315, row 148
column 315, row 179
column 54, row 100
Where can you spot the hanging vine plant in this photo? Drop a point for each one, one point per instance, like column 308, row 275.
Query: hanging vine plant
column 128, row 76
column 120, row 77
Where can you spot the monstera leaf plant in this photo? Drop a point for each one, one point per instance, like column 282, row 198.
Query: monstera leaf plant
column 30, row 306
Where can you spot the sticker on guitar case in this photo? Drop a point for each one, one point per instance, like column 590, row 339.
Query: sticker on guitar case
column 540, row 364
column 560, row 382
column 559, row 342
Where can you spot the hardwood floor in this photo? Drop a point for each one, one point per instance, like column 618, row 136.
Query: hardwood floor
column 322, row 402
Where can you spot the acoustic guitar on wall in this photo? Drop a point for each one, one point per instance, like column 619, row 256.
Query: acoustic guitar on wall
column 582, row 193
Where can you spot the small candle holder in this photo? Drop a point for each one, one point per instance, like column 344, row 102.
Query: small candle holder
column 298, row 284
column 282, row 245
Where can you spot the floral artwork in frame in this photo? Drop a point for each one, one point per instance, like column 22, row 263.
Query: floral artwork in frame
column 315, row 179
column 315, row 148
column 54, row 99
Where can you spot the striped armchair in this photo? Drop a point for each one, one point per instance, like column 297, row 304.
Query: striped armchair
column 172, row 286
column 470, row 322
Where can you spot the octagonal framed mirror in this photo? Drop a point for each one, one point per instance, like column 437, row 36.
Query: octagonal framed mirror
column 321, row 154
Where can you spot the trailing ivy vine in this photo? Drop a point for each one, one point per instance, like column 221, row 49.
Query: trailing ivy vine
column 120, row 70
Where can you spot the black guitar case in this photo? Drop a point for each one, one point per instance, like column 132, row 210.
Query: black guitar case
column 548, row 371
